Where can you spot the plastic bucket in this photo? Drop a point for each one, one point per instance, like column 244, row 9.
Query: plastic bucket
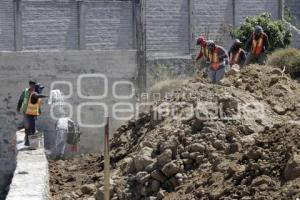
column 35, row 141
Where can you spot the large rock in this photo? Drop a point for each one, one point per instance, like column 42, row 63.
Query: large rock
column 196, row 147
column 262, row 180
column 170, row 169
column 172, row 143
column 127, row 165
column 165, row 157
column 155, row 185
column 157, row 175
column 87, row 189
column 100, row 193
column 144, row 159
column 292, row 169
column 142, row 177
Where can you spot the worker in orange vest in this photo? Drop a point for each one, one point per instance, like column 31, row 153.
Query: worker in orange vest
column 203, row 52
column 30, row 103
column 258, row 45
column 237, row 55
column 218, row 58
column 204, row 49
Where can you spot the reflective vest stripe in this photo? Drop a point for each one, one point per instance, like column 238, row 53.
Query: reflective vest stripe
column 214, row 59
column 33, row 109
column 234, row 58
column 25, row 100
column 257, row 45
column 204, row 51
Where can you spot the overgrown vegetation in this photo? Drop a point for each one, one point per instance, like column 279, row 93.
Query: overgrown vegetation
column 170, row 71
column 288, row 16
column 290, row 58
column 166, row 86
column 279, row 35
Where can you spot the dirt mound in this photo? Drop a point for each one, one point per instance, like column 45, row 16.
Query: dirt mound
column 67, row 177
column 239, row 140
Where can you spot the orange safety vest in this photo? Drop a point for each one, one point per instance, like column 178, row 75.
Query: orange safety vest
column 257, row 45
column 33, row 109
column 214, row 59
column 234, row 58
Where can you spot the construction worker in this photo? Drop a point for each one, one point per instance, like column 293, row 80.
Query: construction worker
column 203, row 51
column 237, row 55
column 29, row 103
column 258, row 45
column 218, row 61
column 67, row 134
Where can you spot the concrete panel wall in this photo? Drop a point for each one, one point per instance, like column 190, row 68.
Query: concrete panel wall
column 49, row 25
column 245, row 8
column 212, row 18
column 7, row 133
column 167, row 26
column 47, row 67
column 295, row 41
column 6, row 25
column 109, row 25
column 294, row 6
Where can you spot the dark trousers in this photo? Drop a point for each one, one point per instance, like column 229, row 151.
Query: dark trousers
column 29, row 125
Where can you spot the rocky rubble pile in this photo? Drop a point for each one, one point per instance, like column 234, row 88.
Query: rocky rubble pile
column 239, row 140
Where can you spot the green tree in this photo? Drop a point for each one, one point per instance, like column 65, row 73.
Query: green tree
column 279, row 34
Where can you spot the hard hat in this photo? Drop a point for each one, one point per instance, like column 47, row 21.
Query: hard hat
column 237, row 41
column 200, row 40
column 210, row 44
column 258, row 29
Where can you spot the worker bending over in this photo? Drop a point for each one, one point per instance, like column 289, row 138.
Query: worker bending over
column 237, row 55
column 203, row 51
column 218, row 60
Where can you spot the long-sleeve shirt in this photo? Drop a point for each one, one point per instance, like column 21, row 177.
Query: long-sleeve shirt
column 203, row 52
column 266, row 43
column 20, row 102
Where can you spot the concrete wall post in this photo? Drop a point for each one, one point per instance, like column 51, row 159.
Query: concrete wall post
column 81, row 25
column 281, row 4
column 140, row 35
column 191, row 26
column 18, row 25
column 234, row 20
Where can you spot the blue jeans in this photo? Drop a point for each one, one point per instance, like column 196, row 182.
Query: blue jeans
column 216, row 75
column 29, row 125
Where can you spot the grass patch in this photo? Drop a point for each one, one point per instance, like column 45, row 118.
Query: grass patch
column 290, row 58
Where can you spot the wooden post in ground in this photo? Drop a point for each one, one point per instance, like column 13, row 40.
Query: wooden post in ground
column 106, row 162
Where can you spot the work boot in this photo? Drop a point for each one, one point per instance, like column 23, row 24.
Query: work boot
column 26, row 140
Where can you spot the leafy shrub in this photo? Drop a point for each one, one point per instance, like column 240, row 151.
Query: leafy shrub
column 290, row 58
column 279, row 35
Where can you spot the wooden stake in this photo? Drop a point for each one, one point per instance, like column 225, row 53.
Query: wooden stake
column 106, row 162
